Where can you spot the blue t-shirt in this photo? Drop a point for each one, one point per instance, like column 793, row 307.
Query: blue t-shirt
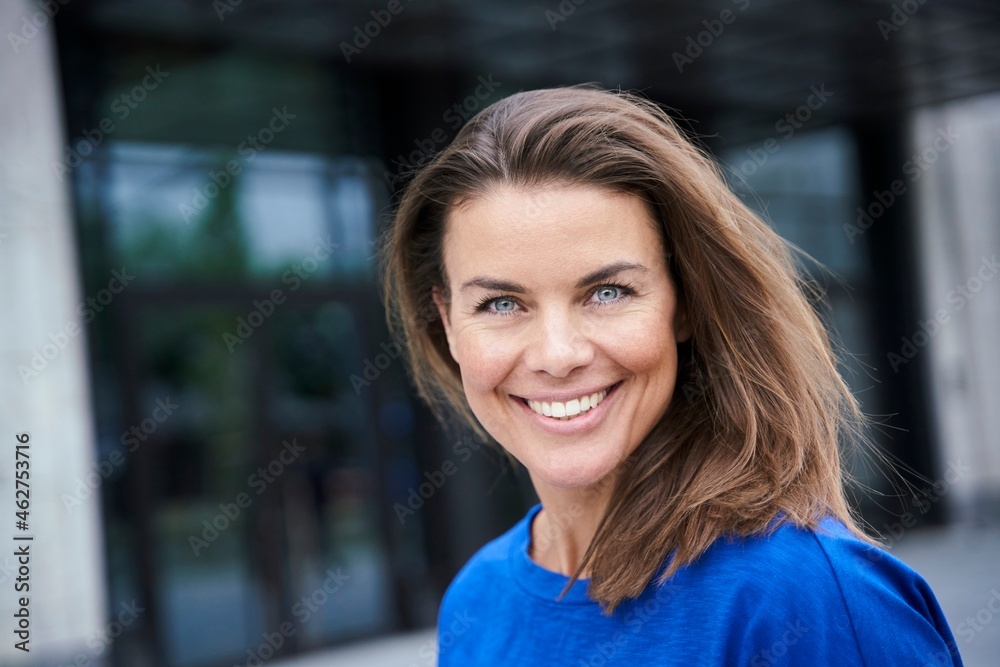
column 795, row 597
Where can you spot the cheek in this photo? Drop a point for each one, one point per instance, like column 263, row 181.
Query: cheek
column 484, row 360
column 645, row 348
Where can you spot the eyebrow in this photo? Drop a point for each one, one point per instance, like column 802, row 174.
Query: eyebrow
column 604, row 273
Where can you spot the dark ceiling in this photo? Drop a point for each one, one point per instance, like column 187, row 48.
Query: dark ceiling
column 758, row 59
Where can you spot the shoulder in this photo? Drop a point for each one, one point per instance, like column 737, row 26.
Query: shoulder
column 867, row 577
column 825, row 581
column 829, row 556
column 484, row 570
column 884, row 594
column 789, row 560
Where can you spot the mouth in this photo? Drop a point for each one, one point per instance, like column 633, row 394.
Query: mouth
column 572, row 409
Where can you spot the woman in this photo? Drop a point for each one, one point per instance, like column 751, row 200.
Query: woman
column 574, row 279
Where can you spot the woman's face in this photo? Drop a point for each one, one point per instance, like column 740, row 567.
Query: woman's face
column 565, row 325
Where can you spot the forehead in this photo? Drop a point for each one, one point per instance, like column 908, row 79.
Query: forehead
column 549, row 230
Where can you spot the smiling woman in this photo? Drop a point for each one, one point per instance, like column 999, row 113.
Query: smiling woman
column 582, row 263
column 571, row 308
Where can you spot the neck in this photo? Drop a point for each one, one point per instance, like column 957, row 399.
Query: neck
column 564, row 528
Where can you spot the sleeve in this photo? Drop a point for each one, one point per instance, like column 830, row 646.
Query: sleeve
column 842, row 603
column 895, row 616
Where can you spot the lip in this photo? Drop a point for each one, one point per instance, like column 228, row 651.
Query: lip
column 564, row 396
column 578, row 424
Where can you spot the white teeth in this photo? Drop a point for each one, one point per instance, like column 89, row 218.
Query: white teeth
column 569, row 409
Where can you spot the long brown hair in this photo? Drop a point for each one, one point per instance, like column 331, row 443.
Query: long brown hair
column 752, row 432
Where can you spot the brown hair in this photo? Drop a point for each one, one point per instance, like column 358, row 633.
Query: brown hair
column 750, row 438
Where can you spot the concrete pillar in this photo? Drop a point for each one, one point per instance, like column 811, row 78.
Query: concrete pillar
column 953, row 164
column 44, row 388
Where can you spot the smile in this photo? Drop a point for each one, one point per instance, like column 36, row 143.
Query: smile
column 566, row 410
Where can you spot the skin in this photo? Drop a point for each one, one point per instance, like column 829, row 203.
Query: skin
column 556, row 336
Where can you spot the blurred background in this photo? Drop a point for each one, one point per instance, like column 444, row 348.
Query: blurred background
column 228, row 464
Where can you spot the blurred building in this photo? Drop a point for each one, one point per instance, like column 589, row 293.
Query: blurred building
column 193, row 190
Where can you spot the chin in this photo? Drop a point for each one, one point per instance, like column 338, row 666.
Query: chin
column 571, row 474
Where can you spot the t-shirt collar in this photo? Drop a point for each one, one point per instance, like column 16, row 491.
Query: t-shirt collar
column 534, row 578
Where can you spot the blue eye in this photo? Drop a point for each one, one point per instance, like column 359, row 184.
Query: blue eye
column 508, row 305
column 497, row 305
column 607, row 293
column 504, row 305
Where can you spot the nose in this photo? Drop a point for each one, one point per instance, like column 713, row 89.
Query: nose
column 559, row 343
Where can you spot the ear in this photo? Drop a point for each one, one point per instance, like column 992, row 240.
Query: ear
column 682, row 322
column 442, row 308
